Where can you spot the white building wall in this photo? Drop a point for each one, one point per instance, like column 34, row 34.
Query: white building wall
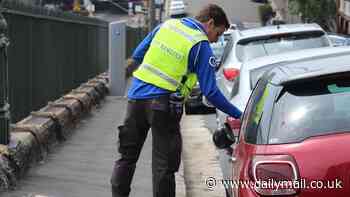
column 341, row 5
column 346, row 7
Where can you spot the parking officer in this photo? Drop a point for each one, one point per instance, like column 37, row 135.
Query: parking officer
column 171, row 58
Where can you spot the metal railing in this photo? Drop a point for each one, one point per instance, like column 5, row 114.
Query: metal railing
column 51, row 52
column 4, row 105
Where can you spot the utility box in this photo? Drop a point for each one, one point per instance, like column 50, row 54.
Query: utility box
column 116, row 59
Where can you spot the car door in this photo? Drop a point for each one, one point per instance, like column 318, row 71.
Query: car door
column 259, row 102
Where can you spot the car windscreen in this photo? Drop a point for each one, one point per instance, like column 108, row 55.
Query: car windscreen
column 248, row 49
column 311, row 108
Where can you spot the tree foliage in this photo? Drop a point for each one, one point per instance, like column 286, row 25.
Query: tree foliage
column 322, row 12
column 265, row 12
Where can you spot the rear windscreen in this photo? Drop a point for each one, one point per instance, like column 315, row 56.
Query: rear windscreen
column 311, row 108
column 248, row 49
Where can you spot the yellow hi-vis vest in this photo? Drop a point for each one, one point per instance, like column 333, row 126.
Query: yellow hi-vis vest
column 165, row 62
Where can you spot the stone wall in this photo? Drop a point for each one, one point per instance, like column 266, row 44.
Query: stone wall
column 34, row 136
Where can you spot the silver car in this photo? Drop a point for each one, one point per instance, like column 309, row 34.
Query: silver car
column 245, row 45
column 219, row 46
column 339, row 39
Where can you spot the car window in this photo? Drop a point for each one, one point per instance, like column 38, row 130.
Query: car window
column 227, row 36
column 228, row 48
column 218, row 47
column 248, row 49
column 254, row 126
column 347, row 42
column 318, row 107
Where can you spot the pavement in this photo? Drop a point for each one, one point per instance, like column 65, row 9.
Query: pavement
column 82, row 165
column 200, row 157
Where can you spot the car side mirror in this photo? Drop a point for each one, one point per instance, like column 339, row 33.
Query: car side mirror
column 223, row 138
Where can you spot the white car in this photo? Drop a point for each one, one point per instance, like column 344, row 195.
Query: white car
column 248, row 44
column 339, row 40
column 196, row 101
column 219, row 46
column 177, row 7
column 250, row 72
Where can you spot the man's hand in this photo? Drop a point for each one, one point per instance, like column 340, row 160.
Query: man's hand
column 131, row 66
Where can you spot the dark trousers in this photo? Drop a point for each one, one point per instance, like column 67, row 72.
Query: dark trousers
column 166, row 146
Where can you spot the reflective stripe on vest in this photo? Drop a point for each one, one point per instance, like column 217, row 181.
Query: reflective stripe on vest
column 160, row 74
column 183, row 33
column 165, row 62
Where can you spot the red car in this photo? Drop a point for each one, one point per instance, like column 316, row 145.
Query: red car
column 294, row 139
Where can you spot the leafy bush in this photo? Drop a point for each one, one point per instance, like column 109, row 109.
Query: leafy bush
column 315, row 11
column 265, row 12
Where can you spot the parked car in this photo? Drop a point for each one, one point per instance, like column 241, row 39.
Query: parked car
column 339, row 39
column 296, row 129
column 194, row 100
column 219, row 46
column 194, row 103
column 251, row 72
column 245, row 45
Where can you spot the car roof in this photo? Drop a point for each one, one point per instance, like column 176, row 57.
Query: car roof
column 278, row 29
column 292, row 56
column 288, row 72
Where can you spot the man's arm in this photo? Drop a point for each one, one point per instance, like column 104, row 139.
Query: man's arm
column 204, row 67
column 138, row 54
